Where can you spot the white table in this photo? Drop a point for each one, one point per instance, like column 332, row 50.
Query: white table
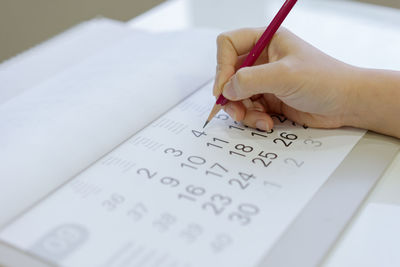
column 229, row 14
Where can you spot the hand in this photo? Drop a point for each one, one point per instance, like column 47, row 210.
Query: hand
column 290, row 77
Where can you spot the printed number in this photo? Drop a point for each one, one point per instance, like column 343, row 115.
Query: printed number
column 242, row 216
column 262, row 161
column 221, row 242
column 217, row 204
column 198, row 133
column 219, row 166
column 254, row 134
column 223, row 117
column 164, row 222
column 215, row 140
column 222, row 199
column 146, row 172
column 213, row 207
column 241, row 185
column 248, row 209
column 173, row 151
column 246, row 149
column 242, row 219
column 137, row 212
column 304, row 126
column 313, row 142
column 170, row 181
column 258, row 134
column 114, row 200
column 235, row 153
column 244, row 183
column 193, row 191
column 191, row 232
column 246, row 177
column 274, row 185
column 214, row 173
column 269, row 155
column 196, row 160
column 281, row 119
column 211, row 144
column 276, row 140
column 234, row 127
column 241, row 147
column 262, row 131
column 298, row 164
column 286, row 136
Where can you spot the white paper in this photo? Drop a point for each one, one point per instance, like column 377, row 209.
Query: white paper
column 42, row 62
column 173, row 195
column 51, row 132
column 372, row 241
column 356, row 40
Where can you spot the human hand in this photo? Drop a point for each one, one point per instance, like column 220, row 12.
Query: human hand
column 291, row 77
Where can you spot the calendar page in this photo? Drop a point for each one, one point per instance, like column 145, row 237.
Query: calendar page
column 177, row 195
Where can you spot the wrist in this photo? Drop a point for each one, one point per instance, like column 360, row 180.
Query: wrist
column 356, row 104
column 373, row 102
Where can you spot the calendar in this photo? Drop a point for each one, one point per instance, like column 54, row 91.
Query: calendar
column 175, row 194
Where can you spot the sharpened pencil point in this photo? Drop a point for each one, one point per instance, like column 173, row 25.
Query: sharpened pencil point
column 214, row 112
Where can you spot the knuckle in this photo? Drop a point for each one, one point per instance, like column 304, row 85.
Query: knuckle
column 241, row 77
column 284, row 66
column 281, row 44
column 292, row 67
column 282, row 34
column 221, row 38
column 240, row 82
column 292, row 70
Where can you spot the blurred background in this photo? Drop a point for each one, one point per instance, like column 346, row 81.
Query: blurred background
column 25, row 23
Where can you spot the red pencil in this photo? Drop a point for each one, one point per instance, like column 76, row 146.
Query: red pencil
column 264, row 40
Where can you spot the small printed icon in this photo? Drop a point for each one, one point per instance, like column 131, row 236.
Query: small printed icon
column 60, row 242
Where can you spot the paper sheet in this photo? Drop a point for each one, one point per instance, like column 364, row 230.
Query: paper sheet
column 42, row 62
column 356, row 40
column 54, row 130
column 372, row 241
column 173, row 195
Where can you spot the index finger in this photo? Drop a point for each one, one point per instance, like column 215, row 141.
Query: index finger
column 230, row 46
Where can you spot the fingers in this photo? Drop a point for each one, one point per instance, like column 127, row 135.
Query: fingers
column 258, row 120
column 291, row 77
column 273, row 78
column 268, row 71
column 250, row 113
column 236, row 110
column 231, row 45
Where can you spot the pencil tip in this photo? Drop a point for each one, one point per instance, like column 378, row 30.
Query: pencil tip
column 213, row 112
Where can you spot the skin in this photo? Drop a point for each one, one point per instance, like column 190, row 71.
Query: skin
column 293, row 78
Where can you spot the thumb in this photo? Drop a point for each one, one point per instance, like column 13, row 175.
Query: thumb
column 267, row 78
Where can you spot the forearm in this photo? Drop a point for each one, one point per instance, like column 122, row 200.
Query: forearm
column 376, row 100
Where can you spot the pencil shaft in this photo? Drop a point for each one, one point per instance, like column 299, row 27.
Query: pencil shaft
column 261, row 44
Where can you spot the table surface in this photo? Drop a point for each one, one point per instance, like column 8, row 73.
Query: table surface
column 185, row 14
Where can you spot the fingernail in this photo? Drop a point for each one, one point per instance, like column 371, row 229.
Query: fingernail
column 231, row 112
column 229, row 91
column 262, row 125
